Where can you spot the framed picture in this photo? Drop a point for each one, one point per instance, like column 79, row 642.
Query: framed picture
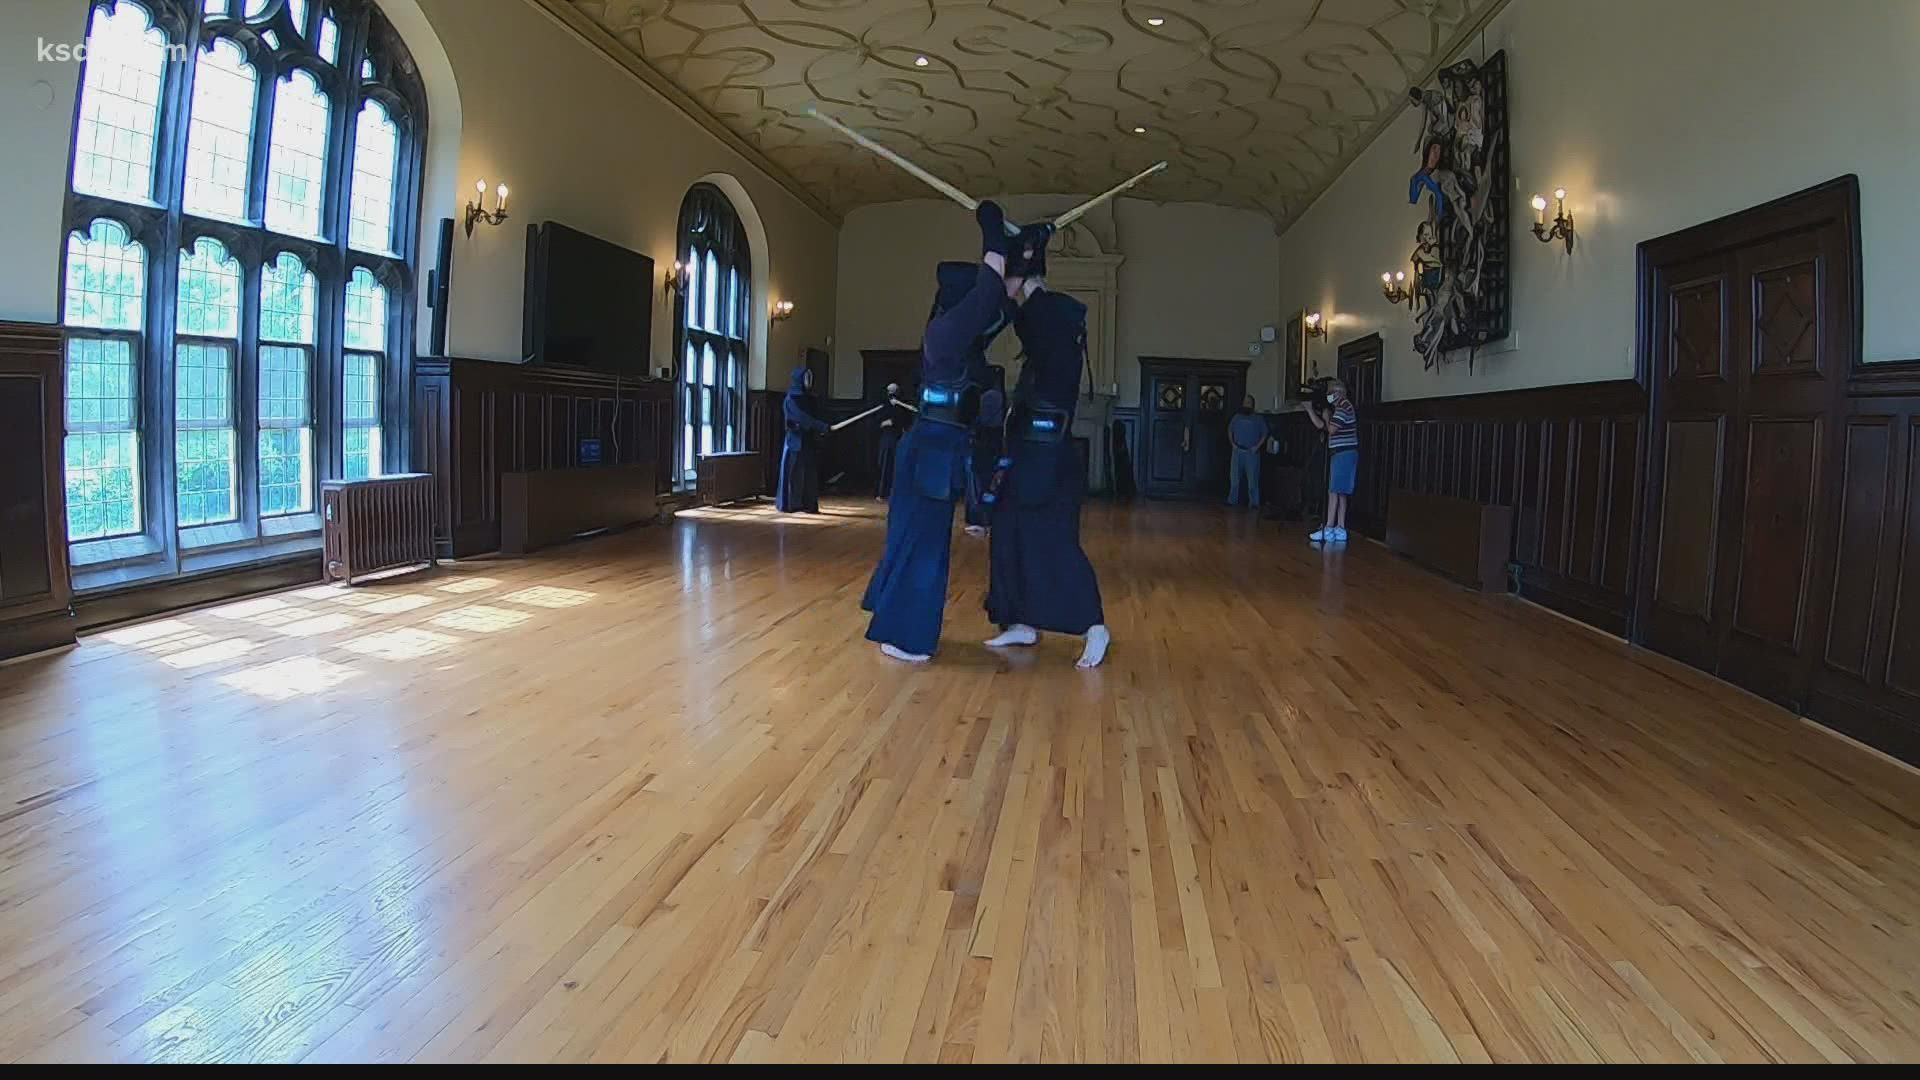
column 1293, row 358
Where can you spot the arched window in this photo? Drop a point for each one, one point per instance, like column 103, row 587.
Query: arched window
column 242, row 228
column 711, row 324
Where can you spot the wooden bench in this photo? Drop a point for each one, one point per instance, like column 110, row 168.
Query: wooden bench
column 1461, row 539
column 538, row 509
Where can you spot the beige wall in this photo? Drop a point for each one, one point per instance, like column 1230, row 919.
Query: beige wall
column 36, row 131
column 1655, row 115
column 1198, row 280
column 578, row 138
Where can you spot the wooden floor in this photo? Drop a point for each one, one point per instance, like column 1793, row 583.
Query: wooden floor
column 653, row 797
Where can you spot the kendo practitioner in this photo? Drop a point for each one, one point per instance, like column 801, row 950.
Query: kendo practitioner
column 893, row 424
column 973, row 302
column 799, row 490
column 1040, row 577
column 988, row 432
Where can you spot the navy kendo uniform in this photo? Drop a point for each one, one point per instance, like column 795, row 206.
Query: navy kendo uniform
column 988, row 440
column 1038, row 573
column 908, row 593
column 799, row 490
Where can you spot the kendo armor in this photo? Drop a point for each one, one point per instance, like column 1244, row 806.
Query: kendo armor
column 1037, row 417
column 956, row 400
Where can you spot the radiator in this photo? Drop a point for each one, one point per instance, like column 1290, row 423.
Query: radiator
column 377, row 524
column 734, row 477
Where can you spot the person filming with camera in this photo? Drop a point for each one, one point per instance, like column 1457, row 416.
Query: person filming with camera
column 1332, row 412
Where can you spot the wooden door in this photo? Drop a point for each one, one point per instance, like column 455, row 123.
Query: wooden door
column 1749, row 324
column 1185, row 406
column 882, row 366
column 817, row 361
column 1359, row 368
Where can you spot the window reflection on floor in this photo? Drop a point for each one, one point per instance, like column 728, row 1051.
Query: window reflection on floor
column 284, row 680
column 480, row 619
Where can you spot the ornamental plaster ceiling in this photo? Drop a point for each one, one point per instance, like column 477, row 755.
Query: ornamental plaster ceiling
column 1256, row 103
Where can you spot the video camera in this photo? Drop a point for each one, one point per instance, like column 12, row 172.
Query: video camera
column 1314, row 391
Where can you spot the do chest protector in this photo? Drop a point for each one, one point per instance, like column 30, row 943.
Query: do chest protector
column 955, row 405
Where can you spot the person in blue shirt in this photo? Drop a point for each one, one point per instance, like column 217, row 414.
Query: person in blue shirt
column 1247, row 431
column 799, row 490
column 973, row 302
column 1040, row 577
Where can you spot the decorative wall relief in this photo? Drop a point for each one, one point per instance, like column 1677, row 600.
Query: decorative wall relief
column 1460, row 253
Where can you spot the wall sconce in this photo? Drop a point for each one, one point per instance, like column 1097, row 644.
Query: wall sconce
column 782, row 310
column 1395, row 288
column 477, row 211
column 676, row 279
column 1562, row 228
column 1316, row 326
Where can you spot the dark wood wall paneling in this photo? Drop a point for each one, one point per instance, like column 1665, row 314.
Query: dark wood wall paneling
column 765, row 429
column 1568, row 459
column 35, row 590
column 1866, row 682
column 474, row 420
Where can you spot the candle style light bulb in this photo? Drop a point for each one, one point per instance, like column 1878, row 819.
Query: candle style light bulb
column 1399, row 275
column 501, row 191
column 1560, row 194
column 1384, row 278
column 480, row 186
column 1540, row 202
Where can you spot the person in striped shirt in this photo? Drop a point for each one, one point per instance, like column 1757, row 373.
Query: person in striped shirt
column 1343, row 462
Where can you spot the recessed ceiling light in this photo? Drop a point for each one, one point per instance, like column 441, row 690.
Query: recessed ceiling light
column 921, row 61
column 1156, row 21
column 1139, row 131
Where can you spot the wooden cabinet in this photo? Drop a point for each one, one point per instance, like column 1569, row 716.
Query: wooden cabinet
column 36, row 593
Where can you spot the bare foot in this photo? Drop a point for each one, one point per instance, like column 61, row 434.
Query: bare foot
column 904, row 655
column 1019, row 634
column 976, row 530
column 1098, row 638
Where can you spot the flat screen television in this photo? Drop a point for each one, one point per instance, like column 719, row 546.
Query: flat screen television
column 589, row 302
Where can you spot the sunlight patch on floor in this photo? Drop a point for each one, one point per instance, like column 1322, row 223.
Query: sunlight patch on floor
column 550, row 596
column 284, row 680
column 319, row 624
column 480, row 618
column 401, row 643
column 399, row 604
column 214, row 653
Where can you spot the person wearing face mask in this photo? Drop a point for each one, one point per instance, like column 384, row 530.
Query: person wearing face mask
column 799, row 490
column 893, row 424
column 1343, row 459
column 1040, row 579
column 973, row 302
column 1247, row 431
